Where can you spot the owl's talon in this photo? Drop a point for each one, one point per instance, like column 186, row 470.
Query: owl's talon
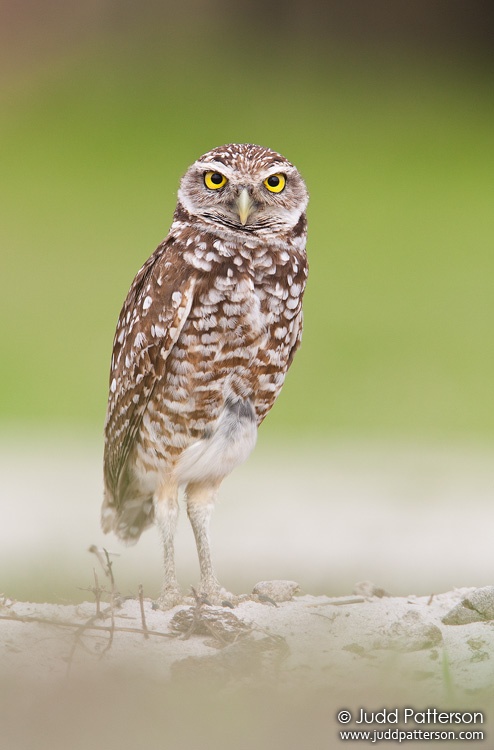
column 218, row 598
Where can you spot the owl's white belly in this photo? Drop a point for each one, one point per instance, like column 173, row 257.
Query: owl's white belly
column 229, row 444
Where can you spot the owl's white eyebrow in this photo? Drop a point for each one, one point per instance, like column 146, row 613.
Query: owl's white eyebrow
column 211, row 166
column 277, row 169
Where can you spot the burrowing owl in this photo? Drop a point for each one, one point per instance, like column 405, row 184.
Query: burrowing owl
column 203, row 343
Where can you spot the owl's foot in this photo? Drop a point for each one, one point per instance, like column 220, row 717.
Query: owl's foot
column 169, row 598
column 217, row 596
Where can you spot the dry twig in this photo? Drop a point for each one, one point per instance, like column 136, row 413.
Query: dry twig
column 143, row 615
column 88, row 625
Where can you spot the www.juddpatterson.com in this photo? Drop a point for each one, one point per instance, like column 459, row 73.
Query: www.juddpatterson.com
column 411, row 724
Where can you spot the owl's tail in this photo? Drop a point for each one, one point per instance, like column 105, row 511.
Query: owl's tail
column 127, row 512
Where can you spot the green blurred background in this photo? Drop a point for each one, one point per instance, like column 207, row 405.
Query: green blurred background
column 386, row 108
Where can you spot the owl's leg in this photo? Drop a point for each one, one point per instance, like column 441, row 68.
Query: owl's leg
column 166, row 517
column 200, row 505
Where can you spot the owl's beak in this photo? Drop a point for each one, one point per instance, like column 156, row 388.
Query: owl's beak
column 244, row 205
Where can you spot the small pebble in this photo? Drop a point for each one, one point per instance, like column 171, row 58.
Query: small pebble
column 482, row 600
column 476, row 607
column 369, row 589
column 276, row 591
column 410, row 633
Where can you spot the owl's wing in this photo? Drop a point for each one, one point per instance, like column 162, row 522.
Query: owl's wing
column 150, row 323
column 296, row 336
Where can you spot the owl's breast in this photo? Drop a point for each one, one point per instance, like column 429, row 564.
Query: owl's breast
column 229, row 305
column 227, row 349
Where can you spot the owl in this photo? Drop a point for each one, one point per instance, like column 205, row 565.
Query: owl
column 204, row 340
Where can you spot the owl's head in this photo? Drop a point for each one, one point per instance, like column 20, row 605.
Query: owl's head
column 244, row 188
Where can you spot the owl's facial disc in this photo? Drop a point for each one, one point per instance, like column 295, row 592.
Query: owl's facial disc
column 244, row 196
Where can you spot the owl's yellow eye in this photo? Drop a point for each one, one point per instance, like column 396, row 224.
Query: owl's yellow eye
column 275, row 183
column 214, row 180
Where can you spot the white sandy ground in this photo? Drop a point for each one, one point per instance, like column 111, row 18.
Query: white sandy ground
column 308, row 640
column 293, row 666
column 412, row 518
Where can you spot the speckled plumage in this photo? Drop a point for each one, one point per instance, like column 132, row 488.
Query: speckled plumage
column 203, row 343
